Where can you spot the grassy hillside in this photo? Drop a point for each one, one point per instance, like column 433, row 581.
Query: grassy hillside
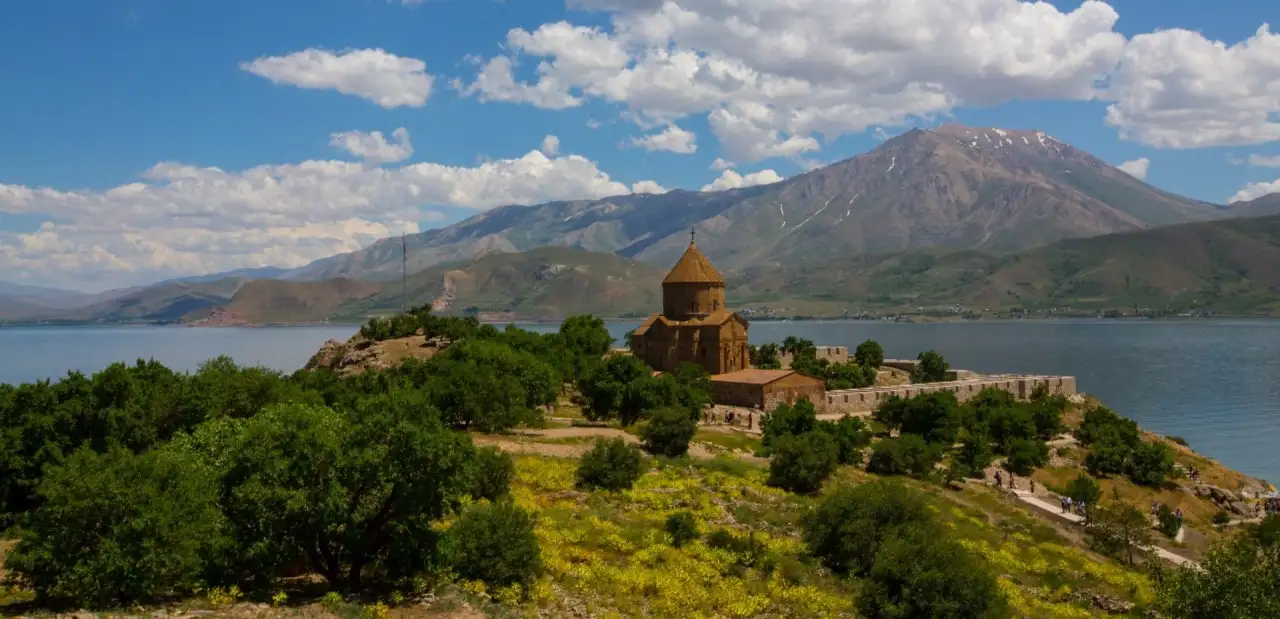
column 264, row 300
column 549, row 282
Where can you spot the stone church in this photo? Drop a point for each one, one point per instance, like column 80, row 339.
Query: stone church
column 694, row 326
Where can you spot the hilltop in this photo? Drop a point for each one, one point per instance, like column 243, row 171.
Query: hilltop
column 956, row 187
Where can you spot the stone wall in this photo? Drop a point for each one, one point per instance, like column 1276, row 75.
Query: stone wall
column 834, row 354
column 866, row 400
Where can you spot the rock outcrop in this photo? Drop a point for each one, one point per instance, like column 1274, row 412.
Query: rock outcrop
column 359, row 354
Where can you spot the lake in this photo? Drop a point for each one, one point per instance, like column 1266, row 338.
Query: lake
column 1215, row 383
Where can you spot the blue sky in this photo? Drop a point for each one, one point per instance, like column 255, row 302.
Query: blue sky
column 115, row 112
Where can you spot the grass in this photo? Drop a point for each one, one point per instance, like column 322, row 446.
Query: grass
column 731, row 440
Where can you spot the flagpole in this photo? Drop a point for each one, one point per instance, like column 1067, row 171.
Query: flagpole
column 404, row 272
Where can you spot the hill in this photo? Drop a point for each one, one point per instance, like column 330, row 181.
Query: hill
column 268, row 301
column 1230, row 266
column 954, row 187
column 166, row 302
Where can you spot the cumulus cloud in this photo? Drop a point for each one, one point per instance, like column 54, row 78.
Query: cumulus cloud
column 1253, row 191
column 648, row 187
column 1136, row 168
column 773, row 77
column 1178, row 89
column 672, row 139
column 381, row 77
column 551, row 146
column 182, row 219
column 373, row 147
column 721, row 164
column 732, row 180
column 1263, row 161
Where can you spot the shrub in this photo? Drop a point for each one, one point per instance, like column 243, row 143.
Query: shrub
column 669, row 431
column 935, row 416
column 848, row 527
column 975, row 454
column 851, row 436
column 920, row 575
column 682, row 527
column 495, row 543
column 1025, row 455
column 610, row 465
column 1106, row 459
column 932, row 369
column 801, row 463
column 1179, row 440
column 906, row 455
column 1150, row 464
column 747, row 550
column 119, row 527
column 1222, row 517
column 1167, row 522
column 492, row 474
column 789, row 420
column 869, row 354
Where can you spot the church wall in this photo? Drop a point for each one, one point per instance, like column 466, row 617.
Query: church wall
column 681, row 301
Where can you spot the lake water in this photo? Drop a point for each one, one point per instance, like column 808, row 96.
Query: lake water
column 1215, row 383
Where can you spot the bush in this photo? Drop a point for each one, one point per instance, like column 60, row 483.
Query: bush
column 921, row 575
column 788, row 420
column 935, row 416
column 1179, row 440
column 495, row 543
column 906, row 455
column 975, row 454
column 932, row 369
column 747, row 550
column 1167, row 522
column 669, row 431
column 610, row 465
column 1106, row 459
column 1150, row 464
column 1222, row 517
column 682, row 527
column 848, row 527
column 1025, row 455
column 118, row 528
column 851, row 436
column 801, row 463
column 492, row 474
column 1084, row 489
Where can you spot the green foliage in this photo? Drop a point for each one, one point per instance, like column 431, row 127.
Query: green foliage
column 1238, row 578
column 765, row 356
column 491, row 474
column 1116, row 447
column 869, row 354
column 586, row 338
column 1084, row 489
column 485, row 385
column 669, row 431
column 975, row 455
column 610, row 465
column 1179, row 440
column 1150, row 464
column 1101, row 425
column 799, row 347
column 908, row 454
column 495, row 543
column 921, row 575
column 378, row 328
column 1025, row 455
column 116, row 528
column 851, row 437
column 603, row 384
column 788, row 420
column 1167, row 522
column 802, row 462
column 1221, row 517
column 935, row 416
column 932, row 369
column 682, row 527
column 688, row 388
column 1115, row 528
column 849, row 526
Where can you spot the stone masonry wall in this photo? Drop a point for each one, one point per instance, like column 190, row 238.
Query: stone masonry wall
column 834, row 354
column 854, row 401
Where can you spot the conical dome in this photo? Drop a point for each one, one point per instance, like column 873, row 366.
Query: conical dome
column 693, row 268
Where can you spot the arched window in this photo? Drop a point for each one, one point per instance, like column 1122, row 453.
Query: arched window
column 715, row 305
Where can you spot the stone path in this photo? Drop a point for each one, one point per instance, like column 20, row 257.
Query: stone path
column 1035, row 501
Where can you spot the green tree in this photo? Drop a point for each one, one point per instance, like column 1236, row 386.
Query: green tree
column 802, row 462
column 669, row 431
column 604, row 384
column 765, row 357
column 116, row 528
column 610, row 465
column 851, row 436
column 869, row 354
column 908, row 454
column 1115, row 528
column 1084, row 490
column 1239, row 578
column 1150, row 464
column 788, row 420
column 932, row 369
column 682, row 527
column 849, row 525
column 975, row 454
column 1025, row 455
column 1168, row 522
column 586, row 336
column 935, row 416
column 495, row 543
column 921, row 575
column 799, row 347
column 492, row 473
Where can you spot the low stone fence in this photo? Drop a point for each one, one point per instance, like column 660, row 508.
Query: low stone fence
column 1021, row 386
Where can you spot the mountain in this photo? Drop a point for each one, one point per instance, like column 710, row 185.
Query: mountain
column 266, row 301
column 165, row 302
column 955, row 187
column 1257, row 207
column 248, row 273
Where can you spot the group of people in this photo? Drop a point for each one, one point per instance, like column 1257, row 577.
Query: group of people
column 727, row 417
column 1271, row 506
column 1155, row 512
column 1013, row 482
column 1070, row 506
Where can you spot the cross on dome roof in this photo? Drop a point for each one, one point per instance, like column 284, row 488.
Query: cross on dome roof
column 693, row 268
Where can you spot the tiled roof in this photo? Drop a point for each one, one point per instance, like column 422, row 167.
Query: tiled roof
column 752, row 376
column 693, row 268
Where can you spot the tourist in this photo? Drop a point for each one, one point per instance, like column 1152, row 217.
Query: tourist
column 1062, row 502
column 1033, row 486
column 748, row 421
column 999, row 480
column 1013, row 482
column 1069, row 506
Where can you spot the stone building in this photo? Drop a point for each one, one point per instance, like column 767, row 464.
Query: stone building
column 833, row 354
column 694, row 326
column 766, row 389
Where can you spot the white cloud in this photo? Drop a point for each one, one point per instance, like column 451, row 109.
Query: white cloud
column 1256, row 190
column 672, row 139
column 1263, row 161
column 1177, row 89
column 648, row 187
column 384, row 78
column 551, row 146
column 721, row 164
column 773, row 76
column 732, row 180
column 1136, row 168
column 373, row 147
column 181, row 219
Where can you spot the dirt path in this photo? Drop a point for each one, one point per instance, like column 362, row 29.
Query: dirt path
column 527, row 441
column 1047, row 506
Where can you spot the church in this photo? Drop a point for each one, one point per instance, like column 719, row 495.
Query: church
column 694, row 326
